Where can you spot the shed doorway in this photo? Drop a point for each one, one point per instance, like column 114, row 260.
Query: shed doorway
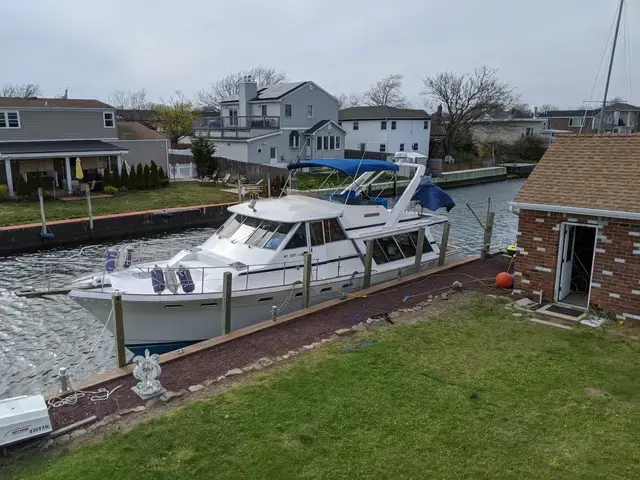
column 575, row 264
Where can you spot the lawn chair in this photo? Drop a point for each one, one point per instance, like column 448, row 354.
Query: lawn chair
column 225, row 179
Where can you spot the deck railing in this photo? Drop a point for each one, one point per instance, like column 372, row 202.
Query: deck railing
column 237, row 123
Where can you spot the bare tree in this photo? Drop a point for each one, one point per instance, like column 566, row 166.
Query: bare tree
column 386, row 92
column 174, row 117
column 228, row 86
column 26, row 90
column 547, row 107
column 349, row 100
column 466, row 98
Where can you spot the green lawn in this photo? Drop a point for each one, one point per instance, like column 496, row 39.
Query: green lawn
column 181, row 194
column 474, row 393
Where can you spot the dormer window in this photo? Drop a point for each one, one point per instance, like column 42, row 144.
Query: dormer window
column 109, row 121
column 9, row 120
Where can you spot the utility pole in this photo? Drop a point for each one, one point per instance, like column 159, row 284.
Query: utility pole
column 613, row 52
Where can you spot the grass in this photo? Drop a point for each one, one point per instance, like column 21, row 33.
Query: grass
column 180, row 194
column 473, row 393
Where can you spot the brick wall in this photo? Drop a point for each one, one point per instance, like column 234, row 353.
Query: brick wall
column 615, row 284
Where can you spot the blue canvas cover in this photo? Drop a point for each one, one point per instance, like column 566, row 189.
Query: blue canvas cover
column 433, row 197
column 347, row 166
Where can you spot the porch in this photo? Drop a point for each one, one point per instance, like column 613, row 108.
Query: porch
column 57, row 163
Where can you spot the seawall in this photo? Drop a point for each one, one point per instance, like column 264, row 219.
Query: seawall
column 21, row 238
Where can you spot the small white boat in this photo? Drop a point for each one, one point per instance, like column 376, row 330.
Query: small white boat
column 171, row 303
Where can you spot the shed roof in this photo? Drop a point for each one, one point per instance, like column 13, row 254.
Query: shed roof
column 592, row 172
column 137, row 131
column 382, row 113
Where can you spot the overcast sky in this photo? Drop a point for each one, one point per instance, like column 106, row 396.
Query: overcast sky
column 549, row 50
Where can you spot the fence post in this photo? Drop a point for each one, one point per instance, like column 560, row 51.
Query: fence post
column 443, row 244
column 89, row 209
column 488, row 230
column 268, row 185
column 368, row 259
column 419, row 249
column 43, row 220
column 226, row 302
column 121, row 356
column 306, row 281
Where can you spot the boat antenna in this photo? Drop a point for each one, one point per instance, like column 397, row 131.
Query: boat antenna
column 613, row 53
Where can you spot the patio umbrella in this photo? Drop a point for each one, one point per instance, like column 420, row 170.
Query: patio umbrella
column 79, row 173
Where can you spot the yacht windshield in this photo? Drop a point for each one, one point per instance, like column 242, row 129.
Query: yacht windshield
column 255, row 232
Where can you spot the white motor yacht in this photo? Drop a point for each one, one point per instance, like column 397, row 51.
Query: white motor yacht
column 170, row 303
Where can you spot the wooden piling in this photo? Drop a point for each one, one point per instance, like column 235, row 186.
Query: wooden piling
column 488, row 231
column 90, row 210
column 368, row 259
column 43, row 220
column 443, row 244
column 121, row 356
column 226, row 302
column 268, row 185
column 419, row 246
column 306, row 281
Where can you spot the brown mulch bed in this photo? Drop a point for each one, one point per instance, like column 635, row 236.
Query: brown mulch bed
column 210, row 364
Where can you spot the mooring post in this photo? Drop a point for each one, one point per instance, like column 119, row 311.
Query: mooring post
column 226, row 302
column 121, row 356
column 368, row 259
column 239, row 190
column 268, row 185
column 443, row 244
column 395, row 185
column 43, row 220
column 306, row 280
column 488, row 230
column 89, row 209
column 419, row 249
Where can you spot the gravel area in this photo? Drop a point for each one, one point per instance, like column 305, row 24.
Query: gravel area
column 210, row 364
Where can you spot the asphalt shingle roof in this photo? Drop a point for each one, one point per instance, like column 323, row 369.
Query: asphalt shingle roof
column 88, row 146
column 599, row 172
column 382, row 113
column 272, row 92
column 137, row 131
column 52, row 102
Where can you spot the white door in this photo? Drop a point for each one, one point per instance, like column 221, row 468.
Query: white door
column 566, row 261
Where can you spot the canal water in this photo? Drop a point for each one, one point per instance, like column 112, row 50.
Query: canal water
column 38, row 335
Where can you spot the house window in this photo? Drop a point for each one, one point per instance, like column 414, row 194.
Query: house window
column 338, row 143
column 528, row 132
column 108, row 120
column 425, row 125
column 332, row 142
column 309, row 111
column 402, row 147
column 325, row 143
column 273, row 152
column 576, row 122
column 9, row 120
column 414, row 147
column 383, row 147
column 294, row 139
column 263, row 110
column 393, row 124
column 287, row 110
column 362, row 147
column 319, row 143
column 383, row 125
column 356, row 125
column 233, row 117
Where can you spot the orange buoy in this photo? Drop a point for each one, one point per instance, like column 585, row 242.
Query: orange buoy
column 504, row 280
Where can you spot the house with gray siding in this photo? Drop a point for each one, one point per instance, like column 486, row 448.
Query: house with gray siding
column 50, row 136
column 279, row 124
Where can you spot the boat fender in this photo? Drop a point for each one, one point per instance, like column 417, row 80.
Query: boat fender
column 171, row 279
column 186, row 280
column 110, row 260
column 126, row 254
column 157, row 280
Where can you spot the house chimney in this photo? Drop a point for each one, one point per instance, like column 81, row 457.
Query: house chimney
column 247, row 91
column 439, row 114
column 66, row 92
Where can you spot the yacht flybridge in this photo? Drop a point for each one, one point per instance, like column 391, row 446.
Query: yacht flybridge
column 170, row 303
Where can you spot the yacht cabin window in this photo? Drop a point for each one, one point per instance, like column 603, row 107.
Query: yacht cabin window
column 326, row 231
column 255, row 232
column 298, row 239
column 398, row 247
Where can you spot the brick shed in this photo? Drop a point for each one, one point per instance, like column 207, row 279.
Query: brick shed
column 579, row 224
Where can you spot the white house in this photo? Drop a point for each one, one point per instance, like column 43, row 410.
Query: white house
column 507, row 130
column 386, row 129
column 278, row 124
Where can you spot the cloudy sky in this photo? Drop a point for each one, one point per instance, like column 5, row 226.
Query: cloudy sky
column 549, row 50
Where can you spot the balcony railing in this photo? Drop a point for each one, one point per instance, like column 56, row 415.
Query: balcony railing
column 237, row 123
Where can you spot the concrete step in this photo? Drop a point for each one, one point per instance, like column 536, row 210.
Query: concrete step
column 550, row 324
column 558, row 317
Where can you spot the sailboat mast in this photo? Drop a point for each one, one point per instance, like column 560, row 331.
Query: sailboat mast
column 613, row 52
